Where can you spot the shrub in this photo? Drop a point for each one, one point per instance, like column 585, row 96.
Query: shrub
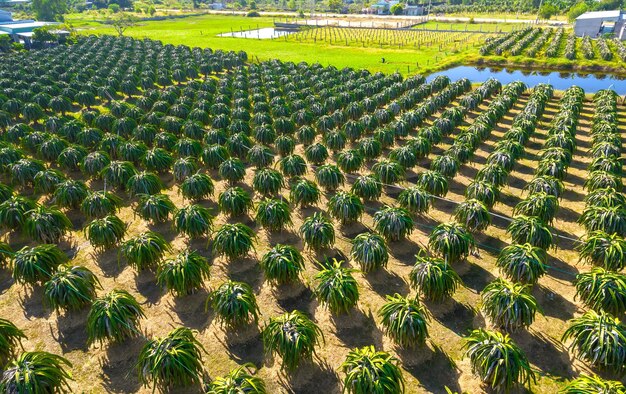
column 484, row 192
column 36, row 372
column 369, row 371
column 118, row 173
column 232, row 170
column 509, row 305
column 318, row 232
column 13, row 212
column 234, row 240
column 71, row 287
column 238, row 380
column 106, row 232
column 234, row 304
column 184, row 273
column 605, row 250
column 368, row 187
column 267, row 181
column 194, row 221
column 329, row 176
column 336, row 288
column 602, row 290
column 369, row 251
column 36, row 264
column 172, row 361
column 594, row 384
column 304, row 193
column 433, row 183
column 46, row 182
column 452, row 241
column 46, row 225
column 156, row 208
column 394, row 224
column 488, row 351
column 143, row 183
column 345, row 207
column 10, row 337
column 523, row 263
column 278, row 338
column 292, row 166
column 145, row 250
column 388, row 171
column 100, row 204
column 282, row 264
column 415, row 200
column 197, row 187
column 434, row 278
column 405, row 320
column 599, row 339
column 235, row 201
column 114, row 317
column 473, row 215
column 530, row 229
column 273, row 214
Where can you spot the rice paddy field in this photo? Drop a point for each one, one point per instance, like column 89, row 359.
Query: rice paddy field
column 180, row 219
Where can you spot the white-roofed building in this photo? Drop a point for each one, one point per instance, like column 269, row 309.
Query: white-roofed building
column 594, row 24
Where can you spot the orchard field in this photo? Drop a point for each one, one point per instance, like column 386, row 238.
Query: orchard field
column 185, row 220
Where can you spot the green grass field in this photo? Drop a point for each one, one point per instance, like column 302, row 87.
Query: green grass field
column 202, row 31
column 470, row 27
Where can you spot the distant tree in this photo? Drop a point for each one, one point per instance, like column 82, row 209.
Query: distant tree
column 114, row 8
column 49, row 10
column 577, row 10
column 123, row 22
column 151, row 10
column 253, row 5
column 335, row 5
column 547, row 11
column 397, row 9
column 607, row 5
column 291, row 5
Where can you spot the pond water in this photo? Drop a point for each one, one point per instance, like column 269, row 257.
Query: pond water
column 591, row 83
column 261, row 34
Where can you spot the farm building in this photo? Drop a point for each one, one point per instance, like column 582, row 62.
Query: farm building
column 594, row 24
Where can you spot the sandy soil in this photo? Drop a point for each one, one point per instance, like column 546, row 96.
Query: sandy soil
column 110, row 368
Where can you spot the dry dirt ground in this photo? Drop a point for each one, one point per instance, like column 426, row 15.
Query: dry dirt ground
column 110, row 368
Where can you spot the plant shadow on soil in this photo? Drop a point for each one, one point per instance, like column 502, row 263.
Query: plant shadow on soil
column 385, row 282
column 545, row 352
column 458, row 317
column 246, row 270
column 32, row 303
column 191, row 310
column 147, row 286
column 119, row 374
column 6, row 280
column 553, row 304
column 108, row 262
column 302, row 301
column 317, row 377
column 432, row 359
column 243, row 345
column 72, row 330
column 476, row 277
column 357, row 329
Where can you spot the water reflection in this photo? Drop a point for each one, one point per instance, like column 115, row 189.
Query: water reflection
column 591, row 83
column 261, row 34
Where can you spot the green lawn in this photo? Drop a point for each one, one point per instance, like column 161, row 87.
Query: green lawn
column 460, row 26
column 202, row 31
